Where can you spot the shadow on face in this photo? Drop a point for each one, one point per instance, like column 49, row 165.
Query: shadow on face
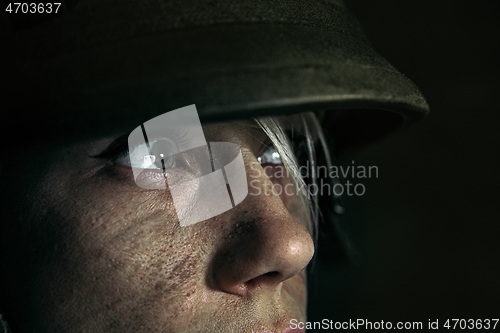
column 87, row 250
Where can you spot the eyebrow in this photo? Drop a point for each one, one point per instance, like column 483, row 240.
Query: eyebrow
column 116, row 147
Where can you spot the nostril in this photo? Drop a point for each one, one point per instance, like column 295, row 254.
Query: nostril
column 268, row 274
column 262, row 279
column 274, row 273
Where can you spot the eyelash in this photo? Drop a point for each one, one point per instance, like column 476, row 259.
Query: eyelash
column 120, row 147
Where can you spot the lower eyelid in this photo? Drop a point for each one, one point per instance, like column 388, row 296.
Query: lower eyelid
column 180, row 167
column 151, row 178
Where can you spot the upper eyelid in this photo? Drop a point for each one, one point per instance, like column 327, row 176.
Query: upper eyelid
column 116, row 149
column 266, row 145
column 118, row 146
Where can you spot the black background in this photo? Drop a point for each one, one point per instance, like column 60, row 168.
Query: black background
column 428, row 228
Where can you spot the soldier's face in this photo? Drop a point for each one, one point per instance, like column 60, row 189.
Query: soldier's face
column 94, row 252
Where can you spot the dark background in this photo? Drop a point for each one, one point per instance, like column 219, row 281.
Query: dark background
column 428, row 228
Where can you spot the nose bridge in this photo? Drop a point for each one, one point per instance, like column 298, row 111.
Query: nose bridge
column 263, row 246
column 261, row 193
column 281, row 194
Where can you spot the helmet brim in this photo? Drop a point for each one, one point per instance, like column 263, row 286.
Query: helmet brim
column 229, row 71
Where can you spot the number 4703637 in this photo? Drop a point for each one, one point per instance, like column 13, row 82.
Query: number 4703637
column 471, row 324
column 32, row 8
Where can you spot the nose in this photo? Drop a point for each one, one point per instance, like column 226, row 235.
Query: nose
column 264, row 245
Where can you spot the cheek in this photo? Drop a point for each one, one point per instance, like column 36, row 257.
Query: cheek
column 125, row 253
column 296, row 290
column 282, row 184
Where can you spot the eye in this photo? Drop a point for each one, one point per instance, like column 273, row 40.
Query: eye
column 270, row 155
column 159, row 155
column 162, row 153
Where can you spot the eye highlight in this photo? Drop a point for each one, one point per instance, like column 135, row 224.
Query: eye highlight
column 270, row 155
column 159, row 155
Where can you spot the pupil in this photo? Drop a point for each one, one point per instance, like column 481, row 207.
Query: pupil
column 164, row 151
